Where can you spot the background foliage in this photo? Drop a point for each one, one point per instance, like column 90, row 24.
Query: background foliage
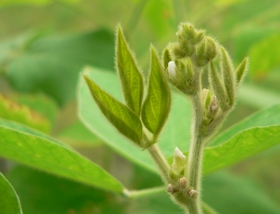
column 45, row 44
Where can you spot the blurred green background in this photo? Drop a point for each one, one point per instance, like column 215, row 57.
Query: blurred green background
column 44, row 44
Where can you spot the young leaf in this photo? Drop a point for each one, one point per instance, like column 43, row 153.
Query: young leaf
column 49, row 156
column 172, row 135
column 130, row 76
column 118, row 114
column 241, row 70
column 9, row 201
column 228, row 75
column 157, row 104
column 217, row 86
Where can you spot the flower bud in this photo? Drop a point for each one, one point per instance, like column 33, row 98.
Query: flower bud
column 171, row 68
column 193, row 193
column 179, row 162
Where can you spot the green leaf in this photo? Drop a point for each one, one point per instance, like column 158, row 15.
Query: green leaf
column 53, row 157
column 241, row 146
column 76, row 134
column 156, row 106
column 46, row 63
column 130, row 76
column 39, row 103
column 45, row 193
column 264, row 56
column 23, row 114
column 117, row 113
column 231, row 194
column 172, row 135
column 251, row 136
column 257, row 97
column 9, row 201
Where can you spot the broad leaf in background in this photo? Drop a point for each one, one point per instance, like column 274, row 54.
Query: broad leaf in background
column 39, row 103
column 231, row 194
column 265, row 97
column 57, row 195
column 251, row 136
column 77, row 134
column 51, row 64
column 44, row 193
column 156, row 106
column 126, row 121
column 130, row 75
column 9, row 201
column 52, row 157
column 23, row 114
column 264, row 56
column 175, row 133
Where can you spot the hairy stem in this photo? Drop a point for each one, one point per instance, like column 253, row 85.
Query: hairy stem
column 196, row 151
column 160, row 161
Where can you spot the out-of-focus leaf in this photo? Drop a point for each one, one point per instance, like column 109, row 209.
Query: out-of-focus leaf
column 241, row 146
column 175, row 132
column 78, row 134
column 53, row 157
column 251, row 136
column 130, row 76
column 264, row 56
column 126, row 121
column 230, row 194
column 156, row 106
column 257, row 97
column 268, row 117
column 32, row 2
column 9, row 201
column 39, row 103
column 44, row 193
column 22, row 114
column 247, row 37
column 51, row 64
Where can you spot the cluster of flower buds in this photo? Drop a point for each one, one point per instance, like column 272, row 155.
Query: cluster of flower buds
column 184, row 61
column 184, row 58
column 177, row 175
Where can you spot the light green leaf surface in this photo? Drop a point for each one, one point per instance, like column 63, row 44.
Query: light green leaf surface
column 251, row 136
column 117, row 113
column 241, row 146
column 175, row 133
column 156, row 106
column 50, row 64
column 130, row 76
column 9, row 201
column 257, row 97
column 231, row 194
column 49, row 156
column 76, row 134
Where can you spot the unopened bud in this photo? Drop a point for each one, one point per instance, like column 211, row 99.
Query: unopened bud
column 183, row 182
column 170, row 188
column 171, row 69
column 193, row 193
column 179, row 162
column 166, row 57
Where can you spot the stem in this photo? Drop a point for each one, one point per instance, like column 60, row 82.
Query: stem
column 196, row 152
column 160, row 161
column 145, row 192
